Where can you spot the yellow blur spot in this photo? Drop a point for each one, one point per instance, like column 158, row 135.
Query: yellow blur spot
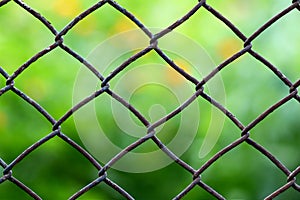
column 122, row 25
column 86, row 26
column 3, row 120
column 175, row 78
column 35, row 88
column 228, row 47
column 67, row 8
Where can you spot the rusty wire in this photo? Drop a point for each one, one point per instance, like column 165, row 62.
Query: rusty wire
column 103, row 171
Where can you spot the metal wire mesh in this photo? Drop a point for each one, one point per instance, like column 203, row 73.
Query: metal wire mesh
column 103, row 175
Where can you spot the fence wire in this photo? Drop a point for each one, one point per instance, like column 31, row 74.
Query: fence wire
column 103, row 170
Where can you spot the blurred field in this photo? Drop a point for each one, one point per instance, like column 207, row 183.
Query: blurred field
column 56, row 171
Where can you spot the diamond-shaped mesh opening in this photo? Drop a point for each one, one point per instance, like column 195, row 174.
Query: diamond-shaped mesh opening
column 251, row 81
column 92, row 27
column 60, row 12
column 266, row 10
column 20, row 47
column 281, row 138
column 279, row 38
column 155, row 8
column 13, row 126
column 42, row 78
column 39, row 180
column 241, row 158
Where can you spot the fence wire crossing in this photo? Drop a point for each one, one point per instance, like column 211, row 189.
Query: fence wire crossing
column 103, row 170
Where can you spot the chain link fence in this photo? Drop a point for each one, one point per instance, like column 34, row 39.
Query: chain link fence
column 103, row 176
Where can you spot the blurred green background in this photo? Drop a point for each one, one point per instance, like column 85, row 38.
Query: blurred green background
column 56, row 171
